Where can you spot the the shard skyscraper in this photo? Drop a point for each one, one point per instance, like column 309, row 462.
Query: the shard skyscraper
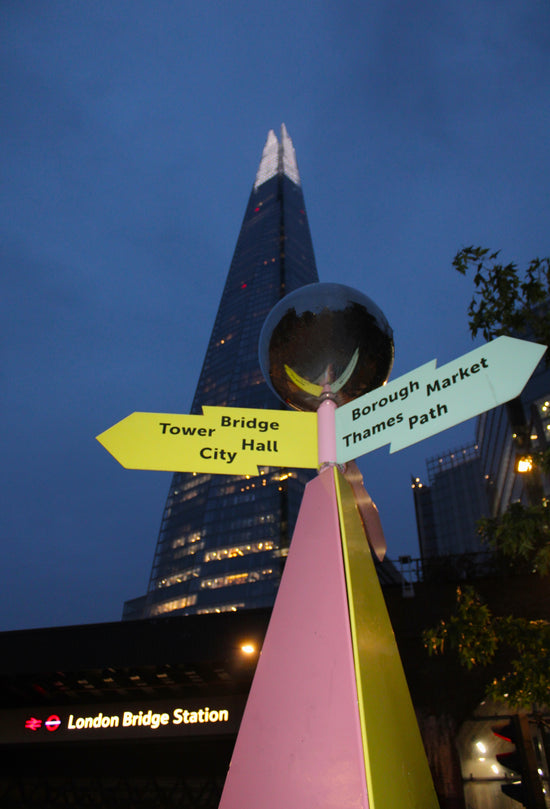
column 223, row 540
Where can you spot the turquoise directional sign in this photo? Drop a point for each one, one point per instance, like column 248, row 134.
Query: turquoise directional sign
column 430, row 399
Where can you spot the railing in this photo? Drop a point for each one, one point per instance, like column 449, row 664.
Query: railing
column 452, row 567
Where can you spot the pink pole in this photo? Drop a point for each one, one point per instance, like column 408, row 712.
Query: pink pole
column 300, row 744
column 326, row 431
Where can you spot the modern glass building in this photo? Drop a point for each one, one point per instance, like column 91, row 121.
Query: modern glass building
column 223, row 539
column 499, row 448
column 448, row 508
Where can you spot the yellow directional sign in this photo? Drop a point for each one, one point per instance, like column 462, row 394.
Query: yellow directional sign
column 223, row 441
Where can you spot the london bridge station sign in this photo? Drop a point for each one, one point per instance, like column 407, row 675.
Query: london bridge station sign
column 147, row 720
column 236, row 441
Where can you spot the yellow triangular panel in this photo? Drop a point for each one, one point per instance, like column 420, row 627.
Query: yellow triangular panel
column 397, row 771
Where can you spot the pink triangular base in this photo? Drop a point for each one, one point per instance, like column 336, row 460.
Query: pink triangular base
column 299, row 744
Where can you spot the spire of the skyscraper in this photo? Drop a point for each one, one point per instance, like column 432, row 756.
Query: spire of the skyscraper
column 269, row 163
column 277, row 158
column 288, row 157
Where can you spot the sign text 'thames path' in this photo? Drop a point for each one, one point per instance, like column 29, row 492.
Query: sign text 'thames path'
column 224, row 440
column 430, row 399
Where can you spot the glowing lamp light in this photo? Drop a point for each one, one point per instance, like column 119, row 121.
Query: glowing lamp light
column 481, row 747
column 248, row 648
column 524, row 464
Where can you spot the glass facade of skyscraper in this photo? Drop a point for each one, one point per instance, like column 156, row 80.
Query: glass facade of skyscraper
column 499, row 450
column 448, row 509
column 223, row 539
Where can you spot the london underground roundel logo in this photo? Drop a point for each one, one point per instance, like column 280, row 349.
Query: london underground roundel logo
column 52, row 722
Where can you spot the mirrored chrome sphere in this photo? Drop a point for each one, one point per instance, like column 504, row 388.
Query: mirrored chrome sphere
column 325, row 340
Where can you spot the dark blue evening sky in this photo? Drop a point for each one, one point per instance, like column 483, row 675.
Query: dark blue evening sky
column 131, row 133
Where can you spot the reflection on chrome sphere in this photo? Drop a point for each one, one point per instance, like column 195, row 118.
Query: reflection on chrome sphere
column 325, row 339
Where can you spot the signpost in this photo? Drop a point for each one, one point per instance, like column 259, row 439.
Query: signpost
column 417, row 405
column 329, row 720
